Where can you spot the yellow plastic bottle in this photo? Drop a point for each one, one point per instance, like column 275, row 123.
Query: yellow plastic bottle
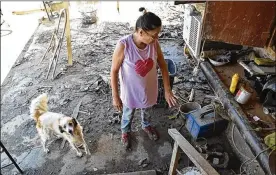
column 234, row 82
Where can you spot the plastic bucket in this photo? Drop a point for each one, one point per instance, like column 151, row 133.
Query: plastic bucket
column 172, row 71
column 243, row 96
column 187, row 108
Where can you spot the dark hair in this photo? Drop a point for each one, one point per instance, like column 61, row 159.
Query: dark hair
column 147, row 21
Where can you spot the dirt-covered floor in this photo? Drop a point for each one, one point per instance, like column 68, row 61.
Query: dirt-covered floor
column 88, row 81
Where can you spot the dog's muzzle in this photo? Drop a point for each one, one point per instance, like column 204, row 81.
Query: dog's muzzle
column 70, row 131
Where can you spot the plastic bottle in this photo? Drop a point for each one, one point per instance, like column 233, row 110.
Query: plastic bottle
column 234, row 82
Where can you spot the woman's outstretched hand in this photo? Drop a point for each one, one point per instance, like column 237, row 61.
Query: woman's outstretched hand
column 170, row 98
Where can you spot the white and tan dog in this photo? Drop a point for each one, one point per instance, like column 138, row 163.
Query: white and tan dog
column 59, row 124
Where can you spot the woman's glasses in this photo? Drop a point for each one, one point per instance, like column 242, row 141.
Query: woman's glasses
column 153, row 37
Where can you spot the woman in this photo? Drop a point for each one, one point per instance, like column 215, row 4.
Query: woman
column 135, row 60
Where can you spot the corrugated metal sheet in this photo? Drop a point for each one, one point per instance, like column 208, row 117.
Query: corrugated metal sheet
column 242, row 23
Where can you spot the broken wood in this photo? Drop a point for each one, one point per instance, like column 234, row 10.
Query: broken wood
column 174, row 160
column 68, row 34
column 191, row 152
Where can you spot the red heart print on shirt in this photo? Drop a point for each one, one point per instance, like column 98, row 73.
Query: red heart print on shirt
column 142, row 67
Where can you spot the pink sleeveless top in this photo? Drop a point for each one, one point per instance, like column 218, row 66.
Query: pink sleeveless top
column 138, row 75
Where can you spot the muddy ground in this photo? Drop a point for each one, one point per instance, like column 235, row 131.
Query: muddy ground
column 88, row 80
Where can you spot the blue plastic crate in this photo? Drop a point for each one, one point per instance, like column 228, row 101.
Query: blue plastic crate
column 203, row 123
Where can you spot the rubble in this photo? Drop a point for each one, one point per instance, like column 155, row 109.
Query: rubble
column 142, row 161
column 89, row 77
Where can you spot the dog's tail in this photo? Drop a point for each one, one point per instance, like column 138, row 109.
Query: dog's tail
column 39, row 106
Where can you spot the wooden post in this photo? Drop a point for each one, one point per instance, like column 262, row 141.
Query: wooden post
column 68, row 36
column 118, row 6
column 174, row 160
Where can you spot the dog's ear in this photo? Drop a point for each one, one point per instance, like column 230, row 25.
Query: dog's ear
column 75, row 123
column 61, row 130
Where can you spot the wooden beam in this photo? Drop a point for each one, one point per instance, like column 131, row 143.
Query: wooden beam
column 68, row 35
column 192, row 153
column 174, row 160
column 148, row 172
column 28, row 11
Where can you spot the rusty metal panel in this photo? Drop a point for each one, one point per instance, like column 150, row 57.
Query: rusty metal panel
column 240, row 22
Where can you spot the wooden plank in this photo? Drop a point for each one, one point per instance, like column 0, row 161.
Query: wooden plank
column 68, row 35
column 28, row 11
column 272, row 38
column 174, row 160
column 191, row 152
column 148, row 172
column 239, row 22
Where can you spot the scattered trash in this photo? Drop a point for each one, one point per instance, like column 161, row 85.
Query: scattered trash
column 201, row 144
column 142, row 161
column 215, row 161
column 270, row 140
column 189, row 171
column 172, row 117
column 234, row 82
column 243, row 96
column 115, row 119
column 256, row 118
column 220, row 60
column 218, row 160
column 145, row 165
column 89, row 19
column 95, row 169
column 191, row 98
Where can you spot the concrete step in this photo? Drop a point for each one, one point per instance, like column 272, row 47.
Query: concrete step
column 148, row 172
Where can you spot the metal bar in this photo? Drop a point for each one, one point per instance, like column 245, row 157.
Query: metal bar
column 6, row 165
column 13, row 161
column 187, row 2
column 46, row 11
column 236, row 115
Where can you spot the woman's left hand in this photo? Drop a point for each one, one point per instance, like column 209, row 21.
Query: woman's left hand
column 171, row 100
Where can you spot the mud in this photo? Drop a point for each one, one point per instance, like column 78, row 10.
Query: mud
column 88, row 79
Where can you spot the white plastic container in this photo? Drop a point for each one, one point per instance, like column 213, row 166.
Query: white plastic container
column 243, row 96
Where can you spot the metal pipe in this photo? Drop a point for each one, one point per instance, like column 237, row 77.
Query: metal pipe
column 11, row 158
column 237, row 115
